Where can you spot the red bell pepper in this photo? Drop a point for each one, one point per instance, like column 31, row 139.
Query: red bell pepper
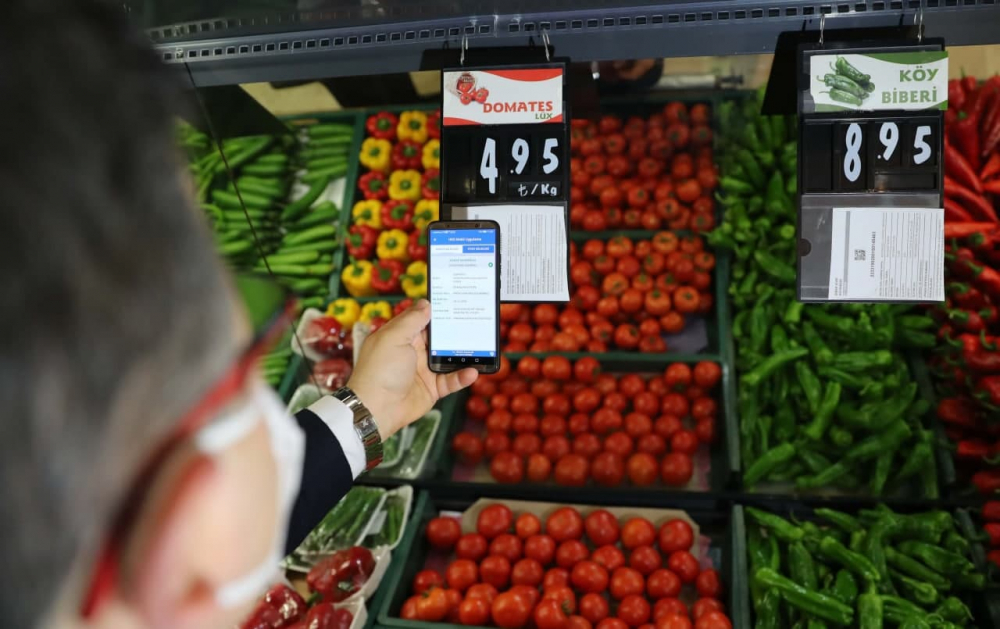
column 431, row 184
column 382, row 125
column 967, row 321
column 972, row 449
column 988, row 389
column 397, row 215
column 972, row 201
column 416, row 246
column 361, row 241
column 958, row 167
column 434, row 125
column 385, row 276
column 374, row 185
column 401, row 306
column 331, row 374
column 987, row 481
column 341, row 574
column 966, row 296
column 991, row 511
column 957, row 411
column 993, row 532
column 326, row 616
column 280, row 608
column 406, row 155
column 328, row 337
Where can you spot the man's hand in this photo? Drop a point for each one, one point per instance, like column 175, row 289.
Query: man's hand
column 392, row 377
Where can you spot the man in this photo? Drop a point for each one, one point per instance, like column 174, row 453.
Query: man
column 147, row 474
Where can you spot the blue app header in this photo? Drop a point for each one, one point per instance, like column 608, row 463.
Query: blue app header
column 463, row 237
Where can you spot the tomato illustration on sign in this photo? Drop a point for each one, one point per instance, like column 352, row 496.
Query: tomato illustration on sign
column 481, row 95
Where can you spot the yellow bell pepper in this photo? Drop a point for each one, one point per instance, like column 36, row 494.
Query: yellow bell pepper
column 432, row 155
column 375, row 154
column 357, row 278
column 392, row 245
column 376, row 309
column 404, row 185
column 367, row 213
column 425, row 212
column 412, row 126
column 345, row 310
column 414, row 281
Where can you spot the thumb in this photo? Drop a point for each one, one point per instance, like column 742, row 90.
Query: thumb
column 404, row 328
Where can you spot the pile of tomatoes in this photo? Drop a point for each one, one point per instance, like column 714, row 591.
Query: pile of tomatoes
column 644, row 173
column 577, row 573
column 568, row 421
column 625, row 295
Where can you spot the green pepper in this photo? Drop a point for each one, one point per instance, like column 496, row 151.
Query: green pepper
column 874, row 550
column 775, row 525
column 956, row 543
column 735, row 186
column 767, row 608
column 821, row 353
column 969, row 581
column 779, row 338
column 853, row 561
column 770, row 364
column 814, row 461
column 937, row 558
column 848, row 380
column 810, row 601
column 841, row 325
column 840, row 437
column 845, row 587
column 810, row 384
column 767, row 463
column 871, row 447
column 883, row 465
column 824, row 478
column 869, row 611
column 841, row 520
column 784, row 418
column 919, row 591
column 824, row 412
column 861, row 361
column 911, row 622
column 954, row 610
column 793, row 312
column 913, row 568
column 801, row 567
column 750, row 167
column 774, row 267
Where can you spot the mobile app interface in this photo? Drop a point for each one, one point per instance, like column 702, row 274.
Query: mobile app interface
column 463, row 294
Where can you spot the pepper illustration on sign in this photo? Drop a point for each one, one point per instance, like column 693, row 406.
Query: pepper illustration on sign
column 848, row 84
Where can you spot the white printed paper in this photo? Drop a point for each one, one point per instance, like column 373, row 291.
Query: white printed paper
column 534, row 262
column 887, row 254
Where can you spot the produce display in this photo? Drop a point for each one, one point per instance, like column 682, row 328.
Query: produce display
column 398, row 194
column 552, row 419
column 283, row 608
column 644, row 173
column 826, row 399
column 557, row 567
column 625, row 295
column 870, row 569
column 344, row 526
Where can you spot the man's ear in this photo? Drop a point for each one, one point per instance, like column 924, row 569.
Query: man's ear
column 169, row 585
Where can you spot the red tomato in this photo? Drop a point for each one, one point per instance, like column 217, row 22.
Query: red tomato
column 611, row 623
column 556, row 447
column 527, row 571
column 586, row 400
column 541, row 548
column 677, row 376
column 634, row 610
column 564, row 524
column 529, row 593
column 506, row 545
column 578, row 423
column 707, row 374
column 495, row 443
column 675, row 404
column 484, row 591
column 663, row 583
column 645, row 559
column 510, row 611
column 626, row 336
column 570, row 552
column 526, row 525
column 641, row 469
column 657, row 385
column 524, row 403
column 549, row 615
column 606, row 383
column 555, row 578
column 477, row 407
column 667, row 425
column 713, row 620
column 704, row 407
column 427, row 579
column 471, row 546
column 543, row 389
column 651, row 444
column 619, row 443
column 495, row 570
column 594, row 607
column 526, row 444
column 556, row 404
column 638, row 424
column 609, row 556
column 631, row 385
column 669, row 606
column 607, row 469
column 578, row 622
column 494, row 520
column 499, row 420
column 646, row 402
column 638, row 532
column 443, row 532
column 586, row 445
column 684, row 565
column 704, row 605
column 462, row 574
column 562, row 595
column 673, row 621
column 626, row 582
column 507, row 467
column 556, row 368
column 432, row 605
column 586, row 369
column 684, row 441
column 525, row 423
column 708, row 583
column 705, row 430
column 474, row 612
column 529, row 367
column 589, row 576
column 676, row 469
column 606, row 420
column 468, row 448
column 552, row 425
column 601, row 527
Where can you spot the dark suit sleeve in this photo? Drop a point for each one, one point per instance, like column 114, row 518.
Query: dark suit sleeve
column 326, row 478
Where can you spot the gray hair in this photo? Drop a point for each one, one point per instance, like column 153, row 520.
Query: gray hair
column 116, row 313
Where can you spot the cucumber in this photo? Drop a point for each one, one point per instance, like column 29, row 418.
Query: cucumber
column 313, row 302
column 307, row 285
column 272, row 158
column 325, row 163
column 334, row 172
column 238, row 217
column 235, row 247
column 243, row 152
column 341, row 150
column 253, row 201
column 298, row 207
column 315, row 218
column 313, row 233
column 301, row 257
column 321, row 246
column 264, row 170
column 298, row 269
column 333, row 140
column 326, row 129
column 252, row 187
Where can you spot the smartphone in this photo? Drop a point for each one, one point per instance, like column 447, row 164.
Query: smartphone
column 464, row 291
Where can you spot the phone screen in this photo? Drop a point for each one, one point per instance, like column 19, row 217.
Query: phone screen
column 463, row 292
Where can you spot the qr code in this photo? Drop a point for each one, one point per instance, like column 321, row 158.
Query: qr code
column 859, row 255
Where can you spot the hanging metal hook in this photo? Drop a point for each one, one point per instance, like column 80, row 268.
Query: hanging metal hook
column 822, row 27
column 918, row 21
column 465, row 46
column 548, row 44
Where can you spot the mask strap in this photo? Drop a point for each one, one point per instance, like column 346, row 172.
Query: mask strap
column 227, row 430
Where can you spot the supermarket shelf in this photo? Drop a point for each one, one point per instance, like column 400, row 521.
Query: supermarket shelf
column 402, row 36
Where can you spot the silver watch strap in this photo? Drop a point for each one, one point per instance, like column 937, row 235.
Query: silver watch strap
column 364, row 425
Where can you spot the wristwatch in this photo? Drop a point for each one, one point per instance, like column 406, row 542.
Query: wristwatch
column 364, row 425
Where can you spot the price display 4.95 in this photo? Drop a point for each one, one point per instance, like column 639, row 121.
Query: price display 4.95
column 502, row 165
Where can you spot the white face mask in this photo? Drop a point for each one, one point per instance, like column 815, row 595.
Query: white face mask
column 288, row 445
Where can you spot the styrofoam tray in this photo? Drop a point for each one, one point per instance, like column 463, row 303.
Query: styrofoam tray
column 304, row 396
column 405, row 492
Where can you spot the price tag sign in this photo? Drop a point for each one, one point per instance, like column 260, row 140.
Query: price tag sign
column 505, row 157
column 871, row 170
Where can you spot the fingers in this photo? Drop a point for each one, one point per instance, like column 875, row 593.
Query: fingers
column 404, row 328
column 448, row 383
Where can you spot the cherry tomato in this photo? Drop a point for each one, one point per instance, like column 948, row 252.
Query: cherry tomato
column 594, row 607
column 578, row 622
column 557, row 404
column 609, row 557
column 468, row 447
column 507, row 545
column 527, row 571
column 626, row 582
column 549, row 615
column 619, row 443
column 586, row 445
column 676, row 469
column 494, row 520
column 713, row 620
column 586, row 400
column 651, row 444
column 704, row 605
column 606, row 383
column 685, row 441
column 507, row 467
column 443, row 532
column 495, row 570
column 641, row 469
column 552, row 425
column 570, row 552
column 525, row 423
column 638, row 424
column 677, row 376
column 541, row 548
column 663, row 583
column 638, row 532
column 666, row 425
column 510, row 611
column 673, row 621
column 684, row 565
column 484, row 591
column 601, row 527
column 606, row 420
column 704, row 407
column 432, row 605
column 529, row 367
column 427, row 579
column 528, row 592
column 645, row 559
column 524, row 403
column 555, row 578
column 477, row 407
column 708, row 584
column 607, row 469
column 707, row 374
column 634, row 610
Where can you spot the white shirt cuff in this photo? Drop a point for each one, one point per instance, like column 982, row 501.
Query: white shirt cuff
column 340, row 420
